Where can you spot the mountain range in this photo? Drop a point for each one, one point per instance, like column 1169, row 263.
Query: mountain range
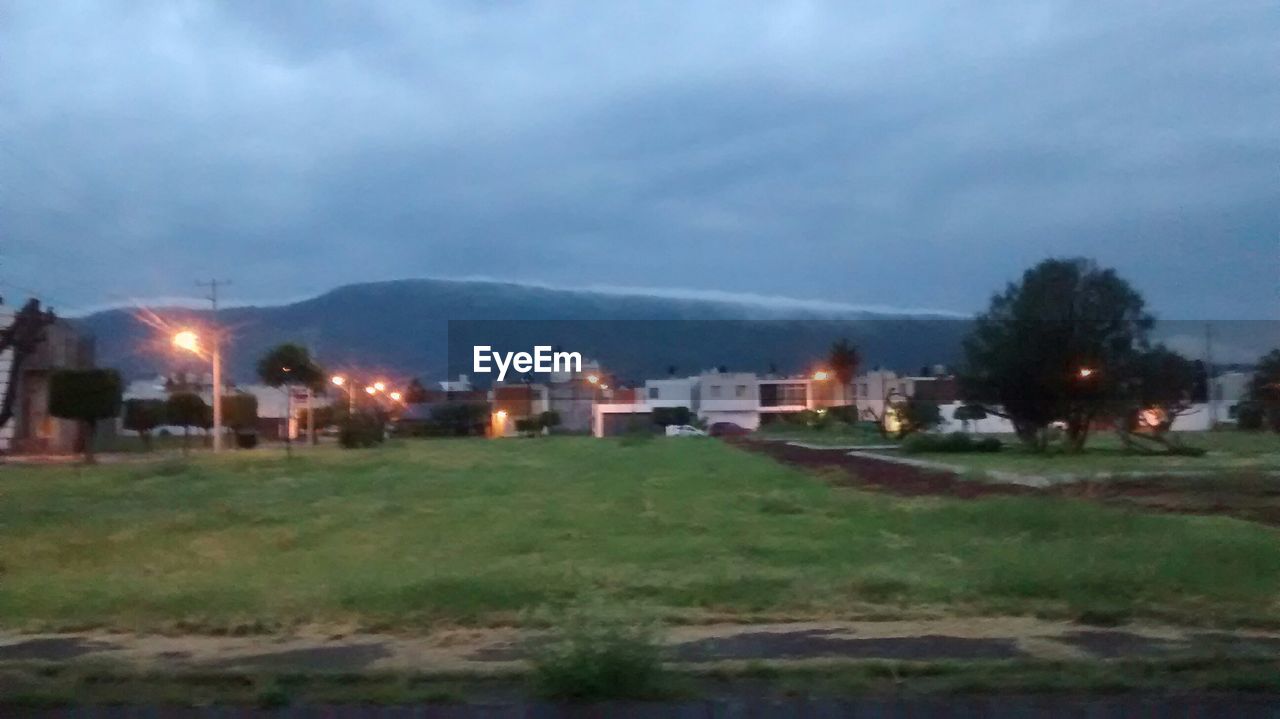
column 426, row 328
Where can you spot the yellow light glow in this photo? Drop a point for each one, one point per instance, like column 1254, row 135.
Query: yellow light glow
column 500, row 414
column 821, row 375
column 371, row 389
column 593, row 379
column 1152, row 417
column 338, row 380
column 187, row 340
column 1086, row 372
column 396, row 396
column 380, row 386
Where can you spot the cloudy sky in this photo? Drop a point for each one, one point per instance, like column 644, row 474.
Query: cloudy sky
column 912, row 154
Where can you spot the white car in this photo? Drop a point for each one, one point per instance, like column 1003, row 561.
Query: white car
column 684, row 430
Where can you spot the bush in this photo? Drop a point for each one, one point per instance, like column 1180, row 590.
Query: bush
column 591, row 656
column 665, row 416
column 1249, row 416
column 247, row 440
column 360, row 431
column 956, row 442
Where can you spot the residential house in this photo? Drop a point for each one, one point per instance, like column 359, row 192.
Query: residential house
column 32, row 429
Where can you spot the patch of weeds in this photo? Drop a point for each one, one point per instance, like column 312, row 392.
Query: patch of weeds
column 591, row 654
column 273, row 696
column 1104, row 615
column 780, row 503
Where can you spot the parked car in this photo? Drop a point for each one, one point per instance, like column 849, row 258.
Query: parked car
column 684, row 430
column 728, row 429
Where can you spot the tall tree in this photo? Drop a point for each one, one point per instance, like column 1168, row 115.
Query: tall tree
column 22, row 336
column 143, row 416
column 844, row 360
column 287, row 366
column 1159, row 386
column 1052, row 347
column 86, row 396
column 1264, row 388
column 187, row 410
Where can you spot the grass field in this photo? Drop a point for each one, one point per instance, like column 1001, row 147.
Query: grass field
column 472, row 532
column 1228, row 451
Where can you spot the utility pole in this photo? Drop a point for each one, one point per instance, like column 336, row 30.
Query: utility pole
column 216, row 332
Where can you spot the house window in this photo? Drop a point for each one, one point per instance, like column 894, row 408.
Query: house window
column 715, row 390
column 653, row 393
column 862, row 390
column 740, row 390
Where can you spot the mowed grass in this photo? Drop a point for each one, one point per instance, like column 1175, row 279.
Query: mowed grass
column 442, row 532
column 1228, row 451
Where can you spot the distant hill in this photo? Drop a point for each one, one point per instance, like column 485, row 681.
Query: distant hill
column 403, row 329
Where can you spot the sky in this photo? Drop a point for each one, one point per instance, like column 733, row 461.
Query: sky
column 914, row 155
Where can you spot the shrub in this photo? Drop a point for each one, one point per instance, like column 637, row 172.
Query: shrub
column 247, row 439
column 360, row 431
column 847, row 413
column 956, row 442
column 664, row 416
column 593, row 656
column 1249, row 416
column 528, row 426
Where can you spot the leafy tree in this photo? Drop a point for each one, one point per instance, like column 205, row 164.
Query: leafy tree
column 143, row 416
column 22, row 337
column 187, row 410
column 844, row 360
column 1249, row 416
column 1053, row 346
column 917, row 415
column 967, row 413
column 86, row 396
column 549, row 419
column 240, row 412
column 1159, row 386
column 415, row 393
column 287, row 366
column 461, row 419
column 1264, row 388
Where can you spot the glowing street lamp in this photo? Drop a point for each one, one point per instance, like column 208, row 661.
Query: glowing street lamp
column 189, row 341
column 380, row 386
column 395, row 396
column 593, row 379
column 338, row 380
column 371, row 390
column 1086, row 372
column 821, row 375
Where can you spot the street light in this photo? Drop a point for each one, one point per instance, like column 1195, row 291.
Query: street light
column 380, row 386
column 593, row 379
column 396, row 396
column 821, row 375
column 189, row 341
column 1086, row 372
column 340, row 381
column 371, row 389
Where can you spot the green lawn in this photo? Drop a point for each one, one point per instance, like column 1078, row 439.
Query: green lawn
column 473, row 531
column 835, row 434
column 1228, row 451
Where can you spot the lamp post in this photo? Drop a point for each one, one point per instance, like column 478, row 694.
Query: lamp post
column 349, row 387
column 190, row 341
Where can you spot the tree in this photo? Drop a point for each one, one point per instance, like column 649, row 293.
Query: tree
column 664, row 416
column 1158, row 387
column 1052, row 347
column 1264, row 388
column 86, row 396
column 143, row 416
column 917, row 415
column 415, row 393
column 240, row 411
column 22, row 337
column 967, row 413
column 187, row 410
column 287, row 366
column 549, row 420
column 844, row 360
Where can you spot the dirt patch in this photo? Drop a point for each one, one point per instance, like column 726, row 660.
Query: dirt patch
column 1256, row 499
column 879, row 475
column 828, row 643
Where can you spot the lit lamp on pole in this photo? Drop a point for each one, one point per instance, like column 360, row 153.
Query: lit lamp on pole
column 347, row 386
column 189, row 341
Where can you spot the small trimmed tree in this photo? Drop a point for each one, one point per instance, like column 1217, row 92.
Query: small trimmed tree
column 549, row 420
column 143, row 416
column 187, row 410
column 287, row 366
column 240, row 413
column 86, row 396
column 844, row 360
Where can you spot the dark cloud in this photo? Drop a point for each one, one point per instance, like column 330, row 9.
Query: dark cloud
column 914, row 156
